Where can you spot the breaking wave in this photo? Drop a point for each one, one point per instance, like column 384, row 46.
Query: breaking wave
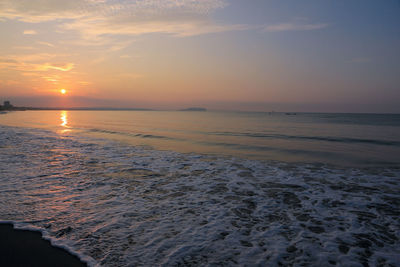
column 114, row 204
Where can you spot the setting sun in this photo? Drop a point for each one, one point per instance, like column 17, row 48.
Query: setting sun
column 268, row 130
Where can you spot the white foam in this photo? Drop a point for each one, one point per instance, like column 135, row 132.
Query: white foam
column 112, row 204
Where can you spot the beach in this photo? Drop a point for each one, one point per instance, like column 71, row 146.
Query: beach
column 199, row 133
column 116, row 203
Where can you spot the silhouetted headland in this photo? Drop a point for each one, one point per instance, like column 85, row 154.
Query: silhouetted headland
column 8, row 107
column 194, row 109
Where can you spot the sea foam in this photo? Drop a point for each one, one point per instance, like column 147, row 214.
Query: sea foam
column 119, row 205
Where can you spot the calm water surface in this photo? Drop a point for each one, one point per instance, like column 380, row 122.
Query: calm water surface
column 114, row 187
column 343, row 139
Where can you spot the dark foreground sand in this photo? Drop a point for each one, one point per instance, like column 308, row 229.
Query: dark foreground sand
column 27, row 248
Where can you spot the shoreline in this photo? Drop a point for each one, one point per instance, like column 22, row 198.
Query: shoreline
column 28, row 248
column 271, row 113
column 126, row 205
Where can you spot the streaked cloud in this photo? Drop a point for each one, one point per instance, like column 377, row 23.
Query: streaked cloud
column 51, row 78
column 55, row 66
column 295, row 26
column 176, row 28
column 45, row 43
column 32, row 57
column 46, row 10
column 34, row 63
column 19, row 47
column 121, row 17
column 35, row 67
column 29, row 32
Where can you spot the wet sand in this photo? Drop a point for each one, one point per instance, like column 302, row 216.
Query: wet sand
column 27, row 248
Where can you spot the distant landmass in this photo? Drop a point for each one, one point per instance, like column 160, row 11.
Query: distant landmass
column 8, row 107
column 78, row 108
column 194, row 109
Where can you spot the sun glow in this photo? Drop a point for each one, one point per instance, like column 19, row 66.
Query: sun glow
column 63, row 91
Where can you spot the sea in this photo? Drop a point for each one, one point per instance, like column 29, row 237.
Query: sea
column 185, row 188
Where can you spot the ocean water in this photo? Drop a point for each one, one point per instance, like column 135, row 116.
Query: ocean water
column 150, row 188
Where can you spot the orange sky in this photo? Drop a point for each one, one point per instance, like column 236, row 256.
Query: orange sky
column 171, row 54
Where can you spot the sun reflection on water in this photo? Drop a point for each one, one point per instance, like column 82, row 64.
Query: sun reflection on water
column 64, row 121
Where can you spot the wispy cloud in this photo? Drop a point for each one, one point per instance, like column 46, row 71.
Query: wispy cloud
column 29, row 32
column 122, row 17
column 36, row 67
column 51, row 78
column 46, row 10
column 45, row 43
column 34, row 63
column 295, row 26
column 176, row 28
column 55, row 66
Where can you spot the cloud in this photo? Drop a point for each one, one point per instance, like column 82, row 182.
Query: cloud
column 38, row 11
column 46, row 10
column 51, row 78
column 176, row 28
column 34, row 63
column 33, row 67
column 32, row 57
column 29, row 32
column 53, row 66
column 7, row 61
column 121, row 17
column 45, row 44
column 300, row 26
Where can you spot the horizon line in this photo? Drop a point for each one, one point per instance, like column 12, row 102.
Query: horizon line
column 287, row 112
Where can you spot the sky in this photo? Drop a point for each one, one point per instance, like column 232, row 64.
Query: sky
column 255, row 55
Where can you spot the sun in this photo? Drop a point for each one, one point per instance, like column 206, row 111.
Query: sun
column 63, row 91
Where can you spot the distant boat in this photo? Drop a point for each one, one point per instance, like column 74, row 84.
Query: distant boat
column 193, row 109
column 290, row 113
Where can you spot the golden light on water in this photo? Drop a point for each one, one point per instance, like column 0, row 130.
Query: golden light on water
column 64, row 120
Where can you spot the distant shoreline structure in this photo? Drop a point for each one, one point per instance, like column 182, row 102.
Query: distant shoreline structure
column 8, row 107
column 193, row 109
column 76, row 108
